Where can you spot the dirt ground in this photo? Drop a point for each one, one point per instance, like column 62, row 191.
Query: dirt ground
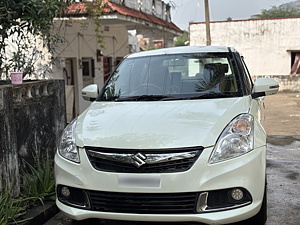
column 282, row 115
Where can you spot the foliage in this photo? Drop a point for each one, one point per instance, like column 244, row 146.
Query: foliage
column 39, row 182
column 38, row 185
column 95, row 10
column 276, row 12
column 22, row 56
column 154, row 48
column 29, row 25
column 22, row 21
column 183, row 40
column 10, row 210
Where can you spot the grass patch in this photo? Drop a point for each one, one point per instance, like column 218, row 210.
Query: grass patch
column 11, row 210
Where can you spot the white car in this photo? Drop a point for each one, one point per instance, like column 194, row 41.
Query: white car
column 174, row 135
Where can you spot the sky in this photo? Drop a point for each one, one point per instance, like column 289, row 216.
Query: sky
column 185, row 11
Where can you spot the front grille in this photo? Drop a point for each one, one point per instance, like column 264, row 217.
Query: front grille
column 114, row 164
column 143, row 203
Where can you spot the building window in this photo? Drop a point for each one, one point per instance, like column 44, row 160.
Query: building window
column 88, row 67
column 295, row 62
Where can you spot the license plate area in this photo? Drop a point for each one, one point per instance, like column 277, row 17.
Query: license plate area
column 139, row 181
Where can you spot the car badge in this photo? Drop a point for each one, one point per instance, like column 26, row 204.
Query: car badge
column 138, row 160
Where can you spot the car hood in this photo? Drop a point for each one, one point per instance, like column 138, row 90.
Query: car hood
column 157, row 124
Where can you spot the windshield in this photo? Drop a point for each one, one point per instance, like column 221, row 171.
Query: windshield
column 168, row 77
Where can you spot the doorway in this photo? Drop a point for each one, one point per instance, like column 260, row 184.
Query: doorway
column 69, row 74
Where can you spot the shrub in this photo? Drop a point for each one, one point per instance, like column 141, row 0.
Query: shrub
column 10, row 210
column 39, row 182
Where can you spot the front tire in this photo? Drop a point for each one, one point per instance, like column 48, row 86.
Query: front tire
column 261, row 217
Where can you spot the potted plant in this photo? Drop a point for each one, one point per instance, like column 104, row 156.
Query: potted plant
column 16, row 64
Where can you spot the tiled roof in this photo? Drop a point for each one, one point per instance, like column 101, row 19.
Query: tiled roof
column 80, row 9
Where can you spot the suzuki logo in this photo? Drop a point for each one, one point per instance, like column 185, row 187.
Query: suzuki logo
column 138, row 160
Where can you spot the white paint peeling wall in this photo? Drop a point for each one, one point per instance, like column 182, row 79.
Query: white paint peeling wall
column 263, row 43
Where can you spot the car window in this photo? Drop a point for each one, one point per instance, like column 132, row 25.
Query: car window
column 180, row 75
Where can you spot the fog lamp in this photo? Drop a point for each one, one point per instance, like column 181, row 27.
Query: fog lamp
column 237, row 194
column 65, row 191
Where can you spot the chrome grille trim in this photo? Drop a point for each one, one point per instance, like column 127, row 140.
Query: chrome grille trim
column 143, row 160
column 149, row 158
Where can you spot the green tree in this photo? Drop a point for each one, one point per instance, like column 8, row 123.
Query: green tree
column 94, row 11
column 183, row 40
column 23, row 21
column 276, row 12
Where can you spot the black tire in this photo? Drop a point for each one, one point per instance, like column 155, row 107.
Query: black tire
column 261, row 217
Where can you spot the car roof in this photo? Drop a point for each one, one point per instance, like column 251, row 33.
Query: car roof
column 181, row 50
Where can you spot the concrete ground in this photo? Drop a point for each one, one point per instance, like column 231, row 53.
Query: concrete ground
column 282, row 114
column 282, row 124
column 283, row 165
column 283, row 174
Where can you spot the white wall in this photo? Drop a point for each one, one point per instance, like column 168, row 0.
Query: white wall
column 264, row 43
column 82, row 43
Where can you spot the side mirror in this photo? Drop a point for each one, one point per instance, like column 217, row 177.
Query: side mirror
column 264, row 87
column 90, row 92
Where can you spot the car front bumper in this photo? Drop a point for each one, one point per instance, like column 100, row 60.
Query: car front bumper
column 246, row 172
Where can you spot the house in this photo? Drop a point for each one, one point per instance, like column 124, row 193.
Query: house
column 84, row 62
column 270, row 46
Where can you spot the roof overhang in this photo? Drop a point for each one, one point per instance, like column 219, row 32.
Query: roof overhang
column 142, row 26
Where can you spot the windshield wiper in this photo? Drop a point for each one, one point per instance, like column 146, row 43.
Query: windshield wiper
column 142, row 98
column 202, row 96
column 170, row 98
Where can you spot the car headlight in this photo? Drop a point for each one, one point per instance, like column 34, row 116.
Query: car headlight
column 235, row 140
column 67, row 147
